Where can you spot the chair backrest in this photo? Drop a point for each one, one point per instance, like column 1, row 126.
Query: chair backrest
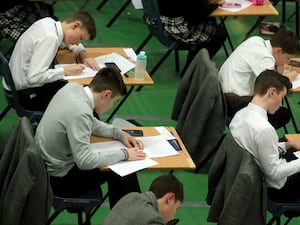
column 237, row 191
column 12, row 96
column 199, row 104
column 25, row 192
column 153, row 21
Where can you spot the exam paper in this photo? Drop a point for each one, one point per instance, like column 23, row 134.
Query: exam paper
column 296, row 82
column 244, row 4
column 124, row 64
column 155, row 146
column 87, row 72
column 127, row 167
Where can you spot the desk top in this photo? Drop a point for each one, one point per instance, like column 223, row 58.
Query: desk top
column 267, row 9
column 292, row 137
column 66, row 57
column 181, row 161
column 297, row 69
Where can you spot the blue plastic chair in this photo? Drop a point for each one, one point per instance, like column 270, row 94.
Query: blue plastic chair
column 12, row 96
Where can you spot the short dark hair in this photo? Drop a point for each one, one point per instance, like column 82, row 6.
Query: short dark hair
column 286, row 40
column 165, row 184
column 108, row 79
column 86, row 19
column 268, row 79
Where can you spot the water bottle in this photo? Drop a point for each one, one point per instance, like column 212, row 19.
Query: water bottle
column 140, row 68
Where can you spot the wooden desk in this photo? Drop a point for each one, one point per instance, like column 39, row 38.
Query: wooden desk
column 292, row 137
column 182, row 161
column 66, row 57
column 267, row 9
column 297, row 90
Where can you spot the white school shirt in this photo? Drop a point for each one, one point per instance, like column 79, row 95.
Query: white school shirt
column 247, row 61
column 252, row 131
column 34, row 53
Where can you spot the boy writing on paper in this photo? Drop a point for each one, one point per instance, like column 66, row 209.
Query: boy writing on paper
column 63, row 136
column 31, row 61
column 251, row 129
column 248, row 60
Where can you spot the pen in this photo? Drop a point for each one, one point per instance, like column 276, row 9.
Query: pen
column 126, row 75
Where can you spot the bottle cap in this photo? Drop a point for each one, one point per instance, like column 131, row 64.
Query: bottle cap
column 142, row 55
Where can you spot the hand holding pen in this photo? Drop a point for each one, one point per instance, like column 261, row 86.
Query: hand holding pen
column 73, row 69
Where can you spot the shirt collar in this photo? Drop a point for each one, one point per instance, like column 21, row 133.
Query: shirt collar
column 90, row 96
column 258, row 109
column 59, row 30
column 268, row 45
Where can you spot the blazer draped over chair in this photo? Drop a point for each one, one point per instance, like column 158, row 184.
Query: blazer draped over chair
column 199, row 108
column 236, row 189
column 26, row 196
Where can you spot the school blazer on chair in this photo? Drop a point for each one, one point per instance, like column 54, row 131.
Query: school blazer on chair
column 199, row 108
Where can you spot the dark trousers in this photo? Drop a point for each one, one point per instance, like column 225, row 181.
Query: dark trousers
column 290, row 191
column 38, row 98
column 234, row 103
column 212, row 46
column 79, row 182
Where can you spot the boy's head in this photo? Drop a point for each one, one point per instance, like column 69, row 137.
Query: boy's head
column 271, row 87
column 169, row 193
column 285, row 45
column 78, row 27
column 107, row 86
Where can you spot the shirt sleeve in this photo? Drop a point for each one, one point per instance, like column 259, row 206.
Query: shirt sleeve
column 79, row 132
column 274, row 167
column 76, row 48
column 262, row 64
column 42, row 57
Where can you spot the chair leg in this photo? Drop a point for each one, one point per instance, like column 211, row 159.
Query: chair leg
column 177, row 63
column 288, row 220
column 4, row 112
column 79, row 218
column 52, row 217
column 137, row 51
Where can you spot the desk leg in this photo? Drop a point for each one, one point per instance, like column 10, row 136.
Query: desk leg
column 255, row 25
column 222, row 23
column 101, row 4
column 292, row 116
column 137, row 51
column 120, row 104
column 118, row 13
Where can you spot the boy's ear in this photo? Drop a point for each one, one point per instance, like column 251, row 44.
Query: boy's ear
column 271, row 91
column 170, row 196
column 107, row 93
column 76, row 24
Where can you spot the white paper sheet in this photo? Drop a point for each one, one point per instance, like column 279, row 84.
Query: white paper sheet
column 87, row 72
column 296, row 82
column 155, row 146
column 124, row 64
column 244, row 4
column 127, row 167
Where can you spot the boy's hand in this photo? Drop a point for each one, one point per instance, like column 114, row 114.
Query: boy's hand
column 131, row 141
column 73, row 70
column 91, row 62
